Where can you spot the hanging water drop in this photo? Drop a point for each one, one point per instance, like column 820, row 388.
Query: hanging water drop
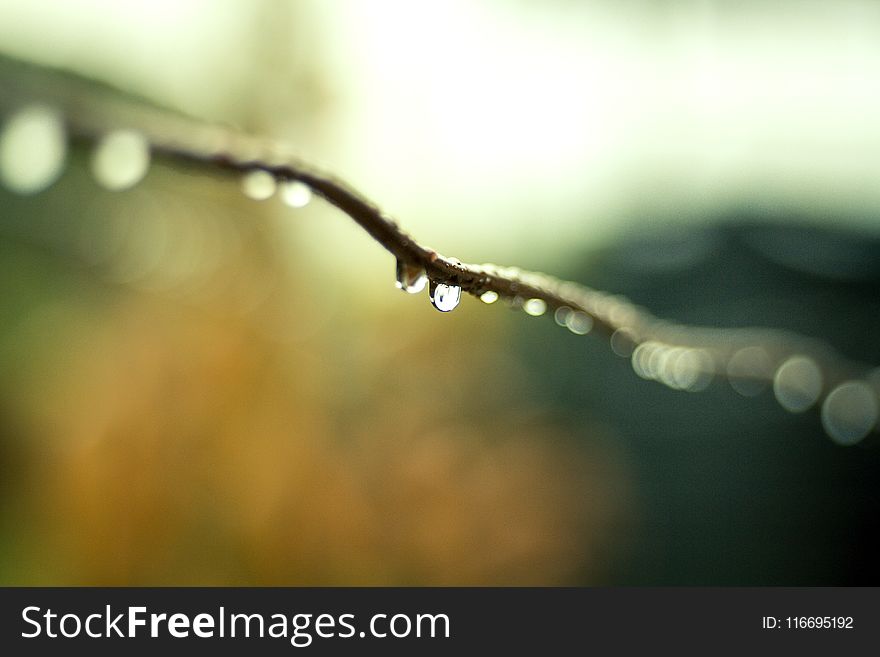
column 579, row 323
column 691, row 370
column 258, row 185
column 33, row 146
column 295, row 194
column 535, row 307
column 797, row 384
column 561, row 315
column 445, row 297
column 623, row 342
column 121, row 159
column 489, row 296
column 850, row 412
column 411, row 278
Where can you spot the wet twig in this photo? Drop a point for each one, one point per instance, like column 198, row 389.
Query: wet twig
column 683, row 357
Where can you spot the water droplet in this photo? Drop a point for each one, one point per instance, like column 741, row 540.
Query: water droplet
column 664, row 366
column 445, row 297
column 623, row 342
column 641, row 357
column 561, row 315
column 33, row 145
column 489, row 296
column 411, row 278
column 535, row 307
column 121, row 159
column 579, row 323
column 656, row 359
column 849, row 412
column 797, row 384
column 749, row 371
column 258, row 185
column 295, row 193
column 692, row 370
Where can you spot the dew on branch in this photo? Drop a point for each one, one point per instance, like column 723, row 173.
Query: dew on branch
column 535, row 307
column 33, row 146
column 560, row 316
column 578, row 322
column 295, row 194
column 623, row 342
column 797, row 384
column 445, row 297
column 411, row 278
column 850, row 412
column 258, row 185
column 120, row 159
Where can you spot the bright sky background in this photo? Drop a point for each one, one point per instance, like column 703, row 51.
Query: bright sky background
column 496, row 129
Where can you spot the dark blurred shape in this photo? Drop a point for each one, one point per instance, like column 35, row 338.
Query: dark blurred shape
column 731, row 489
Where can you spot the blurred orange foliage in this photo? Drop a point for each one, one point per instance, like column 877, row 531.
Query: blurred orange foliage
column 184, row 440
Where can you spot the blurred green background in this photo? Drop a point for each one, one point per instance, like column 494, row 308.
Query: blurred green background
column 199, row 388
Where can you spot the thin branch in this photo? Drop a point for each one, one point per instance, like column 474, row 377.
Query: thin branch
column 685, row 357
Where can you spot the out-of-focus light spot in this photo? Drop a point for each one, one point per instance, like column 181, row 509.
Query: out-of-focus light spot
column 295, row 194
column 623, row 342
column 579, row 323
column 535, row 307
column 258, row 185
column 489, row 296
column 849, row 412
column 693, row 370
column 640, row 359
column 749, row 371
column 33, row 146
column 797, row 384
column 561, row 315
column 680, row 368
column 656, row 360
column 121, row 159
column 661, row 363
